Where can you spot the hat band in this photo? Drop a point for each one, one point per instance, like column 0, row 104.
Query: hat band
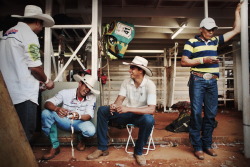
column 88, row 84
column 140, row 64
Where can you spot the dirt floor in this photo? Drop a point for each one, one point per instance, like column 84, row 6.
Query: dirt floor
column 229, row 155
column 227, row 137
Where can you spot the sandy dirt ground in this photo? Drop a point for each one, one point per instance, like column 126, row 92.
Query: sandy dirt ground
column 229, row 155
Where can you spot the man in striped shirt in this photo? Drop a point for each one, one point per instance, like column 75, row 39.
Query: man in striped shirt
column 200, row 53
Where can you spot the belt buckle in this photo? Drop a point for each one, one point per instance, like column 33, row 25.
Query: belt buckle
column 207, row 76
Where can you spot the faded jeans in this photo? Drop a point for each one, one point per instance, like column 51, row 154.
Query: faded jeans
column 50, row 122
column 144, row 122
column 201, row 92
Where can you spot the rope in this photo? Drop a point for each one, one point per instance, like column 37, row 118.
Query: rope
column 105, row 48
column 109, row 81
column 72, row 130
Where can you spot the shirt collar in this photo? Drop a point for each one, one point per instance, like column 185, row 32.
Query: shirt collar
column 87, row 97
column 75, row 93
column 24, row 24
column 142, row 83
column 198, row 37
column 202, row 40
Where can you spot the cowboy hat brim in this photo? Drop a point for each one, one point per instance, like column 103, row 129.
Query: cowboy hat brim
column 78, row 78
column 48, row 21
column 147, row 70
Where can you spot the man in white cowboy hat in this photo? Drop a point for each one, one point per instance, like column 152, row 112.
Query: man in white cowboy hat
column 200, row 53
column 140, row 92
column 21, row 66
column 77, row 104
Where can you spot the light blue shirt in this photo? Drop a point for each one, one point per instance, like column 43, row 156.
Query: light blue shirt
column 69, row 101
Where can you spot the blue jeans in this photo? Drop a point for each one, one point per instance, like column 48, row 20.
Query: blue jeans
column 50, row 122
column 205, row 92
column 27, row 114
column 144, row 122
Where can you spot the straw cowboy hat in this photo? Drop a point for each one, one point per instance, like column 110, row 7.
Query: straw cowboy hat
column 89, row 82
column 142, row 63
column 35, row 12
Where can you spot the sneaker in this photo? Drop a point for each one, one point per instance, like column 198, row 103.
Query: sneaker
column 140, row 159
column 97, row 153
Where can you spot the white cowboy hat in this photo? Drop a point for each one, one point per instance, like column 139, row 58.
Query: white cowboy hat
column 142, row 63
column 35, row 12
column 208, row 23
column 89, row 82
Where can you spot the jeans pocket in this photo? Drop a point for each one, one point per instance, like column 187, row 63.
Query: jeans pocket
column 197, row 78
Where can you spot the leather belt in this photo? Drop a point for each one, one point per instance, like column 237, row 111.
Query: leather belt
column 206, row 76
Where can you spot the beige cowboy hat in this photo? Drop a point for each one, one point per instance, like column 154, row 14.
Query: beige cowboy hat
column 35, row 12
column 142, row 63
column 89, row 81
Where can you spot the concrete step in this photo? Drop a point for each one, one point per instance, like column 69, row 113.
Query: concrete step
column 229, row 130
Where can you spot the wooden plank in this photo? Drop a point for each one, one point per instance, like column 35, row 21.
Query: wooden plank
column 15, row 150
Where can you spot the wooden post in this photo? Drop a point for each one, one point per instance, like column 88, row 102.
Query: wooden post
column 15, row 150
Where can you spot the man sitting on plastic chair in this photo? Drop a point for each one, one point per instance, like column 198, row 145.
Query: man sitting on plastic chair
column 141, row 94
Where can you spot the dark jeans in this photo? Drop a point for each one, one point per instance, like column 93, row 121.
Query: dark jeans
column 144, row 122
column 27, row 112
column 201, row 130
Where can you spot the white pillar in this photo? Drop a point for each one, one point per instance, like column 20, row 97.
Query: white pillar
column 245, row 77
column 100, row 17
column 206, row 8
column 94, row 59
column 165, row 80
column 237, row 76
column 47, row 41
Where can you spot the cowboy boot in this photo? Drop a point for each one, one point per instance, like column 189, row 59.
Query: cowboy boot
column 55, row 143
column 52, row 153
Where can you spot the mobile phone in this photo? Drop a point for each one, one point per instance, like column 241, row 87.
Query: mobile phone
column 219, row 58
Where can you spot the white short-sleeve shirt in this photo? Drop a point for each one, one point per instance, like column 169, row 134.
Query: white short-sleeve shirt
column 19, row 50
column 69, row 101
column 144, row 95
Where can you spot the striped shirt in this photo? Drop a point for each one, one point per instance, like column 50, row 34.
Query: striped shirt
column 68, row 98
column 196, row 48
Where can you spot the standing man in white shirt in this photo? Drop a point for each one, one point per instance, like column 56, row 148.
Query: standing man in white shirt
column 141, row 94
column 21, row 66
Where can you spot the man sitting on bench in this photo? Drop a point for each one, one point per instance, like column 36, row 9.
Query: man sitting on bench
column 77, row 104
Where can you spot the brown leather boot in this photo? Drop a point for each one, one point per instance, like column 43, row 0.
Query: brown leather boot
column 97, row 153
column 80, row 146
column 210, row 151
column 140, row 159
column 199, row 154
column 52, row 153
